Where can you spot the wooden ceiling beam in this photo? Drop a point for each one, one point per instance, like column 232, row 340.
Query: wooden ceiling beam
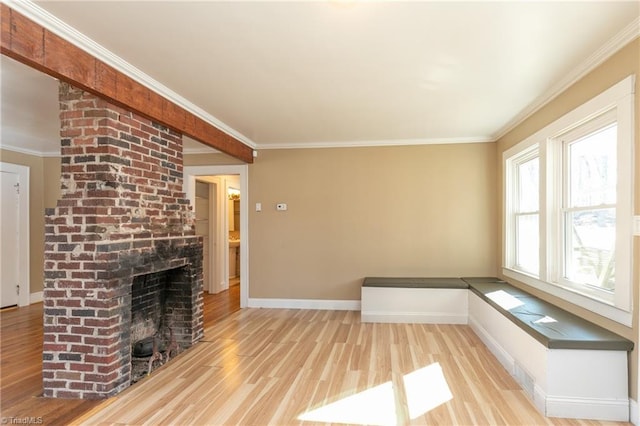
column 35, row 46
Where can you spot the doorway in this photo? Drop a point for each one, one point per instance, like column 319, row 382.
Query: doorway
column 14, row 235
column 206, row 220
column 224, row 177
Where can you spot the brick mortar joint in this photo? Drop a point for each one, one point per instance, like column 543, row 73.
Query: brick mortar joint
column 164, row 238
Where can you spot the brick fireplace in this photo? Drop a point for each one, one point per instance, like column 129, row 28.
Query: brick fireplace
column 122, row 219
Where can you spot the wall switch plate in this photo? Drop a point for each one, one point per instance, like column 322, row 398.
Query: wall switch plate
column 281, row 207
column 636, row 225
column 258, row 207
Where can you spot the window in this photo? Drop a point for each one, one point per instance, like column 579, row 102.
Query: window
column 588, row 210
column 525, row 212
column 568, row 205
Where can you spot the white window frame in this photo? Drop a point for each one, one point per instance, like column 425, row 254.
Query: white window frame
column 618, row 101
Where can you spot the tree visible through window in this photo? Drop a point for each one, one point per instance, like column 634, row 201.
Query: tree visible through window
column 589, row 209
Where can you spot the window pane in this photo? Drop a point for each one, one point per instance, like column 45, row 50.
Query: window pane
column 590, row 247
column 528, row 243
column 528, row 184
column 592, row 168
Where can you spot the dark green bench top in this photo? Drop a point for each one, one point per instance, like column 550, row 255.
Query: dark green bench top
column 550, row 325
column 414, row 282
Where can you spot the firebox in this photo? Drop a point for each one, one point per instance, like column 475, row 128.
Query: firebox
column 161, row 317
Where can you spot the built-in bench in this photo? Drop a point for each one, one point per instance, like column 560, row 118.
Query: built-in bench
column 570, row 367
column 414, row 300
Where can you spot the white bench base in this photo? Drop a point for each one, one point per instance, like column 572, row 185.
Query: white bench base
column 570, row 383
column 414, row 305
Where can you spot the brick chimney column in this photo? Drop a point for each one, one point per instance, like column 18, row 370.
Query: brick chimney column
column 122, row 213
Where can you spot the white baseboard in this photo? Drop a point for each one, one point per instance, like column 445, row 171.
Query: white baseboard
column 36, row 297
column 413, row 317
column 335, row 305
column 588, row 408
column 634, row 414
column 495, row 348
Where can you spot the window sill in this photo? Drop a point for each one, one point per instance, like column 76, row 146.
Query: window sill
column 598, row 307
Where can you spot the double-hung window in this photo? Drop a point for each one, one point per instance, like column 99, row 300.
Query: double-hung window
column 568, row 206
column 524, row 220
column 588, row 209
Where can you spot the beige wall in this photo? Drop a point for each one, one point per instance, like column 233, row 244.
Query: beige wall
column 619, row 66
column 44, row 175
column 355, row 212
column 210, row 160
column 51, row 181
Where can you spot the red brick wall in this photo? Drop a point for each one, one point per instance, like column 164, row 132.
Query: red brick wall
column 122, row 169
column 122, row 213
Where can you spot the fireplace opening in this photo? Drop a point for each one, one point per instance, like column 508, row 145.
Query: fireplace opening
column 160, row 311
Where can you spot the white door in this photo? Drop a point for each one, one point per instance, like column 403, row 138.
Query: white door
column 10, row 238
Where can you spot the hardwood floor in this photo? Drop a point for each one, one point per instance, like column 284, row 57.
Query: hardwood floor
column 269, row 366
column 221, row 305
column 21, row 362
column 21, row 371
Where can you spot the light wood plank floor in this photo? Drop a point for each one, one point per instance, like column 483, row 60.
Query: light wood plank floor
column 266, row 366
column 21, row 362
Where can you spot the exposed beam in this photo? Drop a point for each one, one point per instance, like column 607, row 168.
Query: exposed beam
column 39, row 48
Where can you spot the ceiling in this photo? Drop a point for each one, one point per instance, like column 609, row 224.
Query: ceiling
column 335, row 73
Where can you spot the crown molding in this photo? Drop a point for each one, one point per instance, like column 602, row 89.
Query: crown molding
column 32, row 152
column 375, row 143
column 70, row 34
column 617, row 42
column 188, row 151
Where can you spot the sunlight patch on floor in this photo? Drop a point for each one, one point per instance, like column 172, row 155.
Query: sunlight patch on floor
column 425, row 389
column 375, row 406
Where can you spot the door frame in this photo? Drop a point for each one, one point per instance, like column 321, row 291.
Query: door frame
column 190, row 173
column 24, row 266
